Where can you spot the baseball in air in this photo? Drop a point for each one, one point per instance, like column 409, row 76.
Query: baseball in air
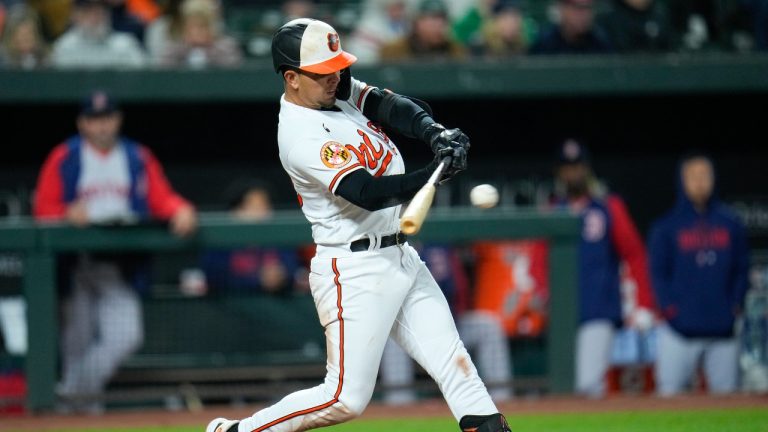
column 484, row 196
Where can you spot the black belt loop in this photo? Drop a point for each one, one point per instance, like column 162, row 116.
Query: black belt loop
column 391, row 240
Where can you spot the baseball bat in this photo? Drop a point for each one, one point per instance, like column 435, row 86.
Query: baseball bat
column 414, row 215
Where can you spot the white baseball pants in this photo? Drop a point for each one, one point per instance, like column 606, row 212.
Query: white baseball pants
column 678, row 358
column 481, row 333
column 594, row 345
column 102, row 326
column 361, row 299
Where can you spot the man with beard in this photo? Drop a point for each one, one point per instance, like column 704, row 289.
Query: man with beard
column 608, row 238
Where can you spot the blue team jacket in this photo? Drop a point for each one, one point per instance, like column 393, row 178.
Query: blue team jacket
column 699, row 267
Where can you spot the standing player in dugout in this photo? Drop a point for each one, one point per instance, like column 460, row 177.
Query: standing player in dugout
column 367, row 282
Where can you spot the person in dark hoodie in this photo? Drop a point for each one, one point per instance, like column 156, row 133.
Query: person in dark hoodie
column 638, row 26
column 699, row 265
column 608, row 238
column 575, row 33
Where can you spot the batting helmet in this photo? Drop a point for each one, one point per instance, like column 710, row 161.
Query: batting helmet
column 310, row 45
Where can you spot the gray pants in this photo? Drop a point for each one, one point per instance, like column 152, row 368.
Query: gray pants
column 594, row 345
column 481, row 333
column 678, row 359
column 102, row 326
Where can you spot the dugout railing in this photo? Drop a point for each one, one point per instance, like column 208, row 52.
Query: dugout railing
column 39, row 245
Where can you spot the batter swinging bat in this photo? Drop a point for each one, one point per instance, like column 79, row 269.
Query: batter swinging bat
column 414, row 215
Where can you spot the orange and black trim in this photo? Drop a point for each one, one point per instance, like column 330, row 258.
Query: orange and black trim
column 341, row 173
column 340, row 386
column 362, row 97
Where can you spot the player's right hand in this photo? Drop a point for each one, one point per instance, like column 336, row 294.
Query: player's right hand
column 77, row 214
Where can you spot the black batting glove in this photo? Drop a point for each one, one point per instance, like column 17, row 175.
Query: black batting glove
column 438, row 137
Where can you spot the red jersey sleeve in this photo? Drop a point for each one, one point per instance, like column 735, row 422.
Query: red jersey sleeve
column 163, row 201
column 630, row 248
column 48, row 203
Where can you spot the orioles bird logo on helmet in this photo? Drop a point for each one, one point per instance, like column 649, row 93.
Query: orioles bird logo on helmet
column 333, row 41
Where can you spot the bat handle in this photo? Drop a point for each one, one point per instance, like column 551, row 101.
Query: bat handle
column 435, row 177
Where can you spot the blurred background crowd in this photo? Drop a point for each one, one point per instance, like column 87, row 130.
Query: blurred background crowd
column 228, row 33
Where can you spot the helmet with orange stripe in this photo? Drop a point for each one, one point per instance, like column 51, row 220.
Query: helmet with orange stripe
column 309, row 45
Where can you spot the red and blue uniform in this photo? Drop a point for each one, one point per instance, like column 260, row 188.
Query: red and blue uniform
column 608, row 237
column 127, row 181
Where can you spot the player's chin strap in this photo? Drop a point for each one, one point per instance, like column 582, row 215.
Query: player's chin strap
column 489, row 423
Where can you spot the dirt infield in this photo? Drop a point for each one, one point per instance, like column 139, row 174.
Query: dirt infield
column 434, row 408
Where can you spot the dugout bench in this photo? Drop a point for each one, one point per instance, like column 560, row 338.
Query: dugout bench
column 39, row 245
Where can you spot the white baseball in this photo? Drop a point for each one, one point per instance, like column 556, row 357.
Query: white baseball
column 484, row 196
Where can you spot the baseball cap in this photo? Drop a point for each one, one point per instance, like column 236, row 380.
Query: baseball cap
column 98, row 103
column 572, row 151
column 310, row 45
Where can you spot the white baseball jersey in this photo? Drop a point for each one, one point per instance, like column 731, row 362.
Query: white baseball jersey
column 361, row 297
column 318, row 148
column 105, row 183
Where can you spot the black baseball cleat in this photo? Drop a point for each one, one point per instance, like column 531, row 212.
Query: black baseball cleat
column 489, row 423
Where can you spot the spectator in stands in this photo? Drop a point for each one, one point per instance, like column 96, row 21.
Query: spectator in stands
column 711, row 24
column 382, row 22
column 638, row 25
column 699, row 262
column 54, row 16
column 293, row 9
column 758, row 9
column 132, row 16
column 481, row 332
column 163, row 30
column 429, row 38
column 100, row 177
column 201, row 44
column 505, row 34
column 254, row 269
column 91, row 42
column 575, row 33
column 608, row 237
column 23, row 45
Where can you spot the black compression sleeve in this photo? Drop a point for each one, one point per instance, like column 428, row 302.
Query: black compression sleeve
column 375, row 193
column 398, row 112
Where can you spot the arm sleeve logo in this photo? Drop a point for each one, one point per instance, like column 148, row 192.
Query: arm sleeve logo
column 334, row 155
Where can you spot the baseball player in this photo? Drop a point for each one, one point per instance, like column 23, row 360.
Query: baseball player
column 367, row 282
column 100, row 177
column 608, row 237
column 699, row 257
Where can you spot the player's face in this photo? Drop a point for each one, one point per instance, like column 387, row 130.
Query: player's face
column 313, row 90
column 101, row 131
column 698, row 180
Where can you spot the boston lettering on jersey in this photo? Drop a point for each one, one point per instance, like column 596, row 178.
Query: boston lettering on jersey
column 697, row 238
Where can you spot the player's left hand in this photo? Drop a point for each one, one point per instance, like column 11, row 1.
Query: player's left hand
column 439, row 138
column 184, row 222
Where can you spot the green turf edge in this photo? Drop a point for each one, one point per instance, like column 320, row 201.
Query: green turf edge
column 734, row 420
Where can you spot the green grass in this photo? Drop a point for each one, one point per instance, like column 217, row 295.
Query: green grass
column 741, row 420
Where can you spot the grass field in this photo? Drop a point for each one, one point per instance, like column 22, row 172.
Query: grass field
column 738, row 420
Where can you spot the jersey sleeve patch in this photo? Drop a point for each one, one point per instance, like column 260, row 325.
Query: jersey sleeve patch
column 334, row 155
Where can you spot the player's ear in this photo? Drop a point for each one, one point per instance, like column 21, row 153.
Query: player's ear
column 291, row 78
